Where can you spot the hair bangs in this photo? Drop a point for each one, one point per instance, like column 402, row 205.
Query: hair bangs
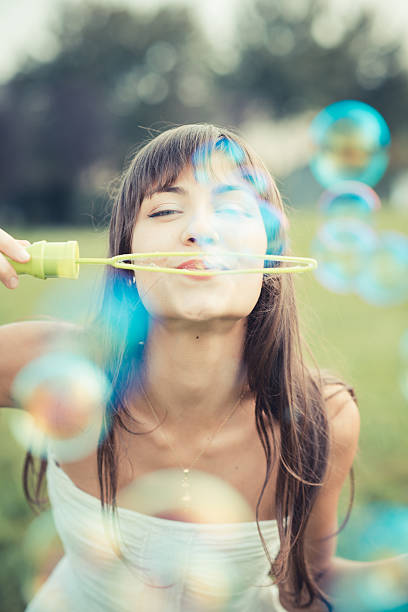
column 159, row 163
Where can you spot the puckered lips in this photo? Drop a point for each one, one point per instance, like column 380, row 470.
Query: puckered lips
column 200, row 264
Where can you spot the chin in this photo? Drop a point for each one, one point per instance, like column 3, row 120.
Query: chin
column 201, row 308
column 199, row 314
column 210, row 315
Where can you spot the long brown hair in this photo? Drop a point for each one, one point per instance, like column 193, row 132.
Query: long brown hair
column 287, row 391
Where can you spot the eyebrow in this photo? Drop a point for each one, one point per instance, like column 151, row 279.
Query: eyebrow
column 219, row 189
column 168, row 189
column 225, row 188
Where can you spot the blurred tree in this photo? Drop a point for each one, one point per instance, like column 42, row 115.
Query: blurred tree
column 290, row 56
column 295, row 55
column 69, row 123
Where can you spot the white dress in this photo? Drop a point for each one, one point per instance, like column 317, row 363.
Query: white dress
column 169, row 566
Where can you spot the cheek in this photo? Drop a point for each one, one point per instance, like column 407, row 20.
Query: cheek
column 138, row 240
column 248, row 292
column 253, row 240
column 250, row 236
column 150, row 291
column 259, row 235
column 160, row 238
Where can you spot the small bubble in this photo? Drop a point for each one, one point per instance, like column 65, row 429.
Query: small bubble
column 384, row 277
column 340, row 247
column 349, row 199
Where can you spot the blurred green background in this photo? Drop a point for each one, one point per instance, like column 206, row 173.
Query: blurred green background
column 83, row 84
column 347, row 335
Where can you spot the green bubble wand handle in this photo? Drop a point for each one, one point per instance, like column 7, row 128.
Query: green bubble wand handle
column 62, row 260
column 50, row 260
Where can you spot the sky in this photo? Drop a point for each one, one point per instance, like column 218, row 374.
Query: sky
column 25, row 24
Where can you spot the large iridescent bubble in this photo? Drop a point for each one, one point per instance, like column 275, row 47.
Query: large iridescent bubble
column 161, row 494
column 247, row 185
column 63, row 396
column 213, row 578
column 351, row 140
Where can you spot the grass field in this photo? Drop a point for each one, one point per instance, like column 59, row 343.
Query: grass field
column 354, row 339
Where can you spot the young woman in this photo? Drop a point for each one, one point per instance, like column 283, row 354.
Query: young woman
column 218, row 362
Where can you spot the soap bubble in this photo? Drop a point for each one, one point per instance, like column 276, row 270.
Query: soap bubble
column 256, row 177
column 167, row 495
column 198, row 551
column 349, row 199
column 340, row 247
column 232, row 168
column 384, row 279
column 381, row 588
column 378, row 532
column 63, row 396
column 352, row 140
column 161, row 494
column 382, row 530
column 276, row 225
column 226, row 152
column 225, row 168
column 210, row 577
column 354, row 258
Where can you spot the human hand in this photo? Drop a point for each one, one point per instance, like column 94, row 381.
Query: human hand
column 14, row 249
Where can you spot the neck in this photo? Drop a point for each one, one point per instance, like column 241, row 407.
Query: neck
column 194, row 373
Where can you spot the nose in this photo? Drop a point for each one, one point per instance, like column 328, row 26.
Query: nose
column 200, row 231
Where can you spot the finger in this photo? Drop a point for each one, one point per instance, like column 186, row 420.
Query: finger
column 8, row 275
column 12, row 248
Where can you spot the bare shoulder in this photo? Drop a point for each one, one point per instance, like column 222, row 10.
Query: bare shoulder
column 40, row 326
column 340, row 404
column 344, row 428
column 28, row 338
column 344, row 425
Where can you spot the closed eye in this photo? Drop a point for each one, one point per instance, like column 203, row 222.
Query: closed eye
column 163, row 213
column 235, row 211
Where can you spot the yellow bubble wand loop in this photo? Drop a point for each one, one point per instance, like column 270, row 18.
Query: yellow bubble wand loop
column 306, row 263
column 62, row 260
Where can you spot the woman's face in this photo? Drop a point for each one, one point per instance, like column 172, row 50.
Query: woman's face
column 211, row 215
